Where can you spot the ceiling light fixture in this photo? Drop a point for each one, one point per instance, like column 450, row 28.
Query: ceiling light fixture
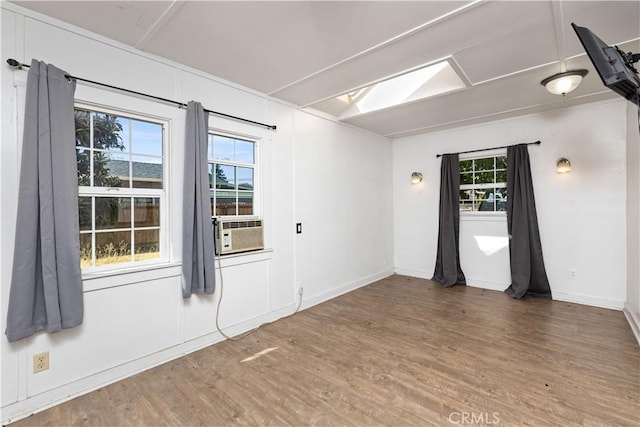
column 563, row 83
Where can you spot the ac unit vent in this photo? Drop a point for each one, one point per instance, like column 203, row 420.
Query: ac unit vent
column 240, row 224
column 240, row 236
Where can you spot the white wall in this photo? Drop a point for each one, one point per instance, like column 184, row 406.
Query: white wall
column 632, row 305
column 334, row 179
column 581, row 215
column 342, row 242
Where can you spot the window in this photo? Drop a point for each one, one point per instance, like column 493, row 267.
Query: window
column 121, row 198
column 232, row 174
column 483, row 184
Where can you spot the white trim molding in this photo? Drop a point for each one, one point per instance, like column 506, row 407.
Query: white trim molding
column 634, row 321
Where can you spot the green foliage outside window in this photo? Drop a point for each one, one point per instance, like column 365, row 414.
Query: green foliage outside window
column 483, row 184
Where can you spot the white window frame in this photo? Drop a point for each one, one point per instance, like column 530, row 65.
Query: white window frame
column 162, row 194
column 257, row 172
column 475, row 156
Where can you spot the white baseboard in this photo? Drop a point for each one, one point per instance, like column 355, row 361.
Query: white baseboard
column 588, row 300
column 414, row 273
column 486, row 284
column 474, row 283
column 66, row 392
column 633, row 319
column 343, row 289
column 495, row 286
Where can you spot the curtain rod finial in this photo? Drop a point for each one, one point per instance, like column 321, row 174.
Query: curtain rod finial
column 13, row 63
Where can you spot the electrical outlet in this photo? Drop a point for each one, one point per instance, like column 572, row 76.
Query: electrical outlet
column 573, row 273
column 40, row 362
column 300, row 290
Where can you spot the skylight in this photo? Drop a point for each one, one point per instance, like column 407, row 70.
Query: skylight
column 418, row 84
column 350, row 97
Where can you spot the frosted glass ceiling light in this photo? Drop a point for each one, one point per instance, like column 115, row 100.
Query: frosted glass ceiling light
column 563, row 83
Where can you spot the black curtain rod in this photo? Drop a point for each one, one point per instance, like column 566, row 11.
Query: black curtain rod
column 19, row 65
column 488, row 149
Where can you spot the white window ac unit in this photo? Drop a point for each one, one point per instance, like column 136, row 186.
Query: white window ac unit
column 239, row 236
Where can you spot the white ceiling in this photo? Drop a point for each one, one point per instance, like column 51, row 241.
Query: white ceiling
column 309, row 52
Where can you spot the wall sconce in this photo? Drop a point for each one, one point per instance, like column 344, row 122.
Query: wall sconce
column 563, row 165
column 563, row 83
column 416, row 178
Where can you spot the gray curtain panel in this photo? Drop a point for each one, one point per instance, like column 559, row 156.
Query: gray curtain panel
column 46, row 283
column 528, row 275
column 198, row 272
column 448, row 271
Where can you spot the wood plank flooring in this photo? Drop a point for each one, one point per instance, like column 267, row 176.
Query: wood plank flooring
column 399, row 352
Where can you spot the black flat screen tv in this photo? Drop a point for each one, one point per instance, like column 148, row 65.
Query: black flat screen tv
column 613, row 65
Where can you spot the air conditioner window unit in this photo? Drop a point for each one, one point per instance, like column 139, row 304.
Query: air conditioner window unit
column 239, row 236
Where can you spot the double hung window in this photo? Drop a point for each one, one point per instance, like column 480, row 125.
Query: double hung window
column 483, row 184
column 121, row 179
column 232, row 175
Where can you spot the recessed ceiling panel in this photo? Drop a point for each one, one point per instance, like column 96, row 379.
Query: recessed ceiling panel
column 268, row 45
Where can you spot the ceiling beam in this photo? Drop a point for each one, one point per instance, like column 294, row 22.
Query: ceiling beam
column 561, row 46
column 160, row 22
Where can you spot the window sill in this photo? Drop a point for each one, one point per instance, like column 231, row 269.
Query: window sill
column 95, row 281
column 231, row 260
column 483, row 216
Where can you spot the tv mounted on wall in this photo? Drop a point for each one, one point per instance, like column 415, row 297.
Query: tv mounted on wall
column 615, row 67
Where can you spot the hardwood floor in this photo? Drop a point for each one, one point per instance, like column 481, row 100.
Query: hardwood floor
column 399, row 352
